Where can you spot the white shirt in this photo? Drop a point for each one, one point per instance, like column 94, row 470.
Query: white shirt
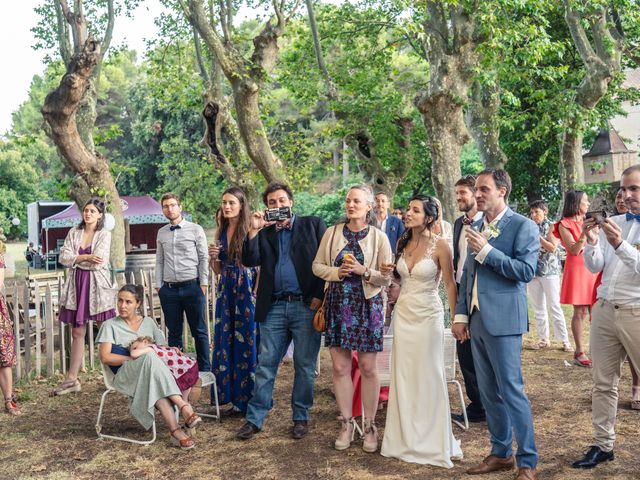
column 182, row 254
column 462, row 247
column 620, row 267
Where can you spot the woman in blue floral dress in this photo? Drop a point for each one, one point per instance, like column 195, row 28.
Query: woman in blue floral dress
column 235, row 336
column 356, row 261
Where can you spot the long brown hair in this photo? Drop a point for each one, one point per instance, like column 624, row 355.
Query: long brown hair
column 234, row 249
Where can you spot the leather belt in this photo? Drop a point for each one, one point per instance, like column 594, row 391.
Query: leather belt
column 186, row 283
column 287, row 297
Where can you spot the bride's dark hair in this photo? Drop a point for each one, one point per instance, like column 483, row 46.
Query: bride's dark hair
column 431, row 213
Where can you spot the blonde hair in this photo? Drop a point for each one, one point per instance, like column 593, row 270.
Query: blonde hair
column 142, row 339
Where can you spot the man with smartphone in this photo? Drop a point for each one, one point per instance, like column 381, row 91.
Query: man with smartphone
column 288, row 296
column 613, row 248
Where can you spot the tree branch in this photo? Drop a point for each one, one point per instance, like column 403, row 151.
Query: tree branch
column 66, row 51
column 578, row 34
column 199, row 60
column 108, row 34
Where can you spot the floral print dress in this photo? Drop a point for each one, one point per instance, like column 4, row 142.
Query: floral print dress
column 353, row 321
column 7, row 338
column 236, row 333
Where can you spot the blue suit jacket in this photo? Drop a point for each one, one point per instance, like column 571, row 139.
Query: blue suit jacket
column 503, row 277
column 394, row 229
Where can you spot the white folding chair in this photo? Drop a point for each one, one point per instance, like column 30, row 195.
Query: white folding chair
column 208, row 380
column 108, row 376
column 383, row 364
column 450, row 359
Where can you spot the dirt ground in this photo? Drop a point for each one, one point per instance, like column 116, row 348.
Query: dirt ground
column 55, row 438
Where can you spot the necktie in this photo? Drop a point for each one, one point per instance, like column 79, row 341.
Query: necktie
column 631, row 217
column 466, row 220
column 173, row 227
column 286, row 226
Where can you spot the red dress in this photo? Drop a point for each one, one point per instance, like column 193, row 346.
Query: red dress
column 577, row 282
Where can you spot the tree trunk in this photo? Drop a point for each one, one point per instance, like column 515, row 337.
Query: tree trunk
column 92, row 170
column 482, row 119
column 601, row 52
column 443, row 119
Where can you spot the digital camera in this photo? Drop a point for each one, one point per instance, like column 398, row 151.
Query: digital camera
column 277, row 214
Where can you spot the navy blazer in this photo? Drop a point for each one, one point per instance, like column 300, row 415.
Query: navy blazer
column 394, row 229
column 503, row 277
column 262, row 251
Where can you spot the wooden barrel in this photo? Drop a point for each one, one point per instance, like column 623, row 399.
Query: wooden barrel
column 139, row 262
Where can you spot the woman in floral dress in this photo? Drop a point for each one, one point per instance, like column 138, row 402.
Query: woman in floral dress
column 7, row 343
column 356, row 260
column 235, row 336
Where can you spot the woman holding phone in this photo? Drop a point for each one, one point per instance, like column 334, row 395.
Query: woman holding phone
column 352, row 257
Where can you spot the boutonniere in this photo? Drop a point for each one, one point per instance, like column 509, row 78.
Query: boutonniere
column 492, row 231
column 637, row 245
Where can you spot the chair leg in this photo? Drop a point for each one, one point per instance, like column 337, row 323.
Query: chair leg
column 464, row 426
column 102, row 436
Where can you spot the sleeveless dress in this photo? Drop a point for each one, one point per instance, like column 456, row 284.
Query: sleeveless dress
column 236, row 335
column 418, row 427
column 577, row 282
column 7, row 338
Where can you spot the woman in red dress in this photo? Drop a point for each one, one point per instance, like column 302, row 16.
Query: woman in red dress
column 577, row 281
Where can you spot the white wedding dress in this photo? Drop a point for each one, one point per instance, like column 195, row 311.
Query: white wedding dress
column 418, row 427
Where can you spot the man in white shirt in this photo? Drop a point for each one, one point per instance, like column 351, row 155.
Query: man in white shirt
column 613, row 248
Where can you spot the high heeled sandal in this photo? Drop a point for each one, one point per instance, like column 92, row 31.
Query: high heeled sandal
column 586, row 362
column 346, row 425
column 182, row 443
column 367, row 446
column 193, row 419
column 11, row 407
column 66, row 387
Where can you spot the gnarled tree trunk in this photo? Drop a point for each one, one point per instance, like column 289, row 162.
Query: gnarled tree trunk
column 92, row 170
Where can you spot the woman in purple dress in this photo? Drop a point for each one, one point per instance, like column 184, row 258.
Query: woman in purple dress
column 87, row 293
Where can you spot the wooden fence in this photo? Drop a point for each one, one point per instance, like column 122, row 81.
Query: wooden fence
column 42, row 342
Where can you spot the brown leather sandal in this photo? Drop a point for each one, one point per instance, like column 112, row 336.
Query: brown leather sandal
column 182, row 443
column 193, row 419
column 11, row 407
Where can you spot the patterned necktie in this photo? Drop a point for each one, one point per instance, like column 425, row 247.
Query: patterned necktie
column 173, row 227
column 285, row 226
column 466, row 220
column 631, row 217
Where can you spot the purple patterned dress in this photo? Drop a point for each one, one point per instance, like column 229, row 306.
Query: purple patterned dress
column 81, row 316
column 7, row 338
column 353, row 321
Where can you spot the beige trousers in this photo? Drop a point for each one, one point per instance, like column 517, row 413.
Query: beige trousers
column 615, row 333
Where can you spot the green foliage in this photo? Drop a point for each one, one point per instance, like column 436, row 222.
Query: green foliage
column 328, row 206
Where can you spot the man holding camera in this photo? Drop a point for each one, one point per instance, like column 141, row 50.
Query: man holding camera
column 284, row 245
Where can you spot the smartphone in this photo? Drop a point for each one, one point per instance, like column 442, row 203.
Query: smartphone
column 598, row 215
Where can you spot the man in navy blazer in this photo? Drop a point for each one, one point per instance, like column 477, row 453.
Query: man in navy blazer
column 389, row 224
column 492, row 312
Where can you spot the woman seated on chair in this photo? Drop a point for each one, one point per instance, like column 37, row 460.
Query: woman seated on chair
column 146, row 379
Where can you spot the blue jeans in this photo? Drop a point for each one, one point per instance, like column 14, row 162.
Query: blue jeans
column 191, row 301
column 285, row 321
column 498, row 367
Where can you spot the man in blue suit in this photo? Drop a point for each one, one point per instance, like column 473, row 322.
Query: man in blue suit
column 492, row 312
column 389, row 224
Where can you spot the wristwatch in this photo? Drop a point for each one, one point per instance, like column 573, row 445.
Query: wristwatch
column 367, row 274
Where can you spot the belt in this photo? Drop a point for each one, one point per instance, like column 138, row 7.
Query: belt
column 186, row 283
column 287, row 297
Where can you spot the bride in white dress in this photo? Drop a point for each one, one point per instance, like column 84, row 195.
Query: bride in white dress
column 418, row 427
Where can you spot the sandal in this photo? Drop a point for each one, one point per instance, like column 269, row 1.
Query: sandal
column 65, row 387
column 540, row 345
column 11, row 407
column 635, row 402
column 193, row 419
column 584, row 361
column 347, row 433
column 182, row 443
column 370, row 428
column 567, row 347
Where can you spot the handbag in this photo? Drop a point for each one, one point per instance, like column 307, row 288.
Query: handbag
column 319, row 320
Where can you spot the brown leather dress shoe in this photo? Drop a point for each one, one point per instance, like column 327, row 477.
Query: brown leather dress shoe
column 527, row 474
column 493, row 464
column 247, row 431
column 300, row 429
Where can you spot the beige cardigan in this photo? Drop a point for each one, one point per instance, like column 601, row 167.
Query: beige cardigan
column 375, row 247
column 101, row 292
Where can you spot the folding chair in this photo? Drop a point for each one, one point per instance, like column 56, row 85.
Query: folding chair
column 450, row 359
column 108, row 376
column 209, row 379
column 383, row 364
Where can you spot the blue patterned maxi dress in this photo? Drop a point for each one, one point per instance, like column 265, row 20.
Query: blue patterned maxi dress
column 353, row 321
column 236, row 334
